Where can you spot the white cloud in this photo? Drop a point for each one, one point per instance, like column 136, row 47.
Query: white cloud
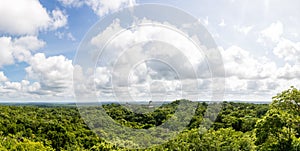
column 185, row 47
column 24, row 46
column 254, row 89
column 71, row 37
column 53, row 73
column 22, row 17
column 73, row 3
column 103, row 7
column 250, row 77
column 3, row 78
column 240, row 63
column 19, row 90
column 99, row 40
column 100, row 7
column 257, row 78
column 273, row 33
column 59, row 19
column 6, row 55
column 247, row 75
column 289, row 72
column 13, row 86
column 118, row 64
column 28, row 17
column 19, row 49
column 176, row 47
column 31, row 43
column 61, row 35
column 288, row 50
column 235, row 84
column 102, row 77
column 83, row 82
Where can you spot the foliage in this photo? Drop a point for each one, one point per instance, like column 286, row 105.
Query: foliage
column 288, row 100
column 238, row 126
column 279, row 128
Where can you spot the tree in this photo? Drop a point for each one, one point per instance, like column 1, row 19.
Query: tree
column 279, row 128
column 275, row 131
column 288, row 100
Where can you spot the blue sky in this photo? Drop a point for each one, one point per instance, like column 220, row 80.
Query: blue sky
column 259, row 41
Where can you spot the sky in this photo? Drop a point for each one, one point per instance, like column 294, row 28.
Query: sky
column 259, row 43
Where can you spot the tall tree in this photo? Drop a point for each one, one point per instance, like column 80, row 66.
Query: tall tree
column 288, row 100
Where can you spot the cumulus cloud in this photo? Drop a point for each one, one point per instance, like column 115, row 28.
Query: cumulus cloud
column 53, row 73
column 163, row 59
column 62, row 35
column 240, row 63
column 28, row 17
column 175, row 44
column 50, row 79
column 29, row 42
column 59, row 19
column 24, row 46
column 289, row 72
column 254, row 89
column 154, row 81
column 71, row 37
column 103, row 7
column 19, row 49
column 100, row 7
column 249, row 77
column 288, row 50
column 102, row 77
column 3, row 78
column 19, row 90
column 6, row 55
column 272, row 33
column 73, row 3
